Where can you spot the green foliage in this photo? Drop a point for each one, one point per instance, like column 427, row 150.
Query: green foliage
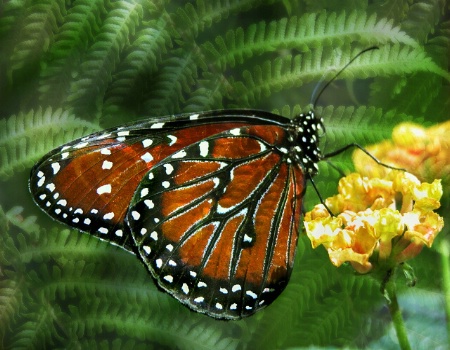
column 25, row 137
column 69, row 68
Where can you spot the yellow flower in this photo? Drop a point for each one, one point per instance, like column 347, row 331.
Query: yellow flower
column 425, row 152
column 377, row 221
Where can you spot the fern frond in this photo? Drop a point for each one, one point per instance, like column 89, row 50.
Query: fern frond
column 86, row 93
column 428, row 14
column 140, row 62
column 27, row 136
column 191, row 20
column 311, row 279
column 93, row 288
column 304, row 34
column 37, row 329
column 11, row 12
column 81, row 23
column 10, row 299
column 412, row 95
column 27, row 224
column 176, row 76
column 209, row 94
column 39, row 25
column 291, row 71
column 395, row 10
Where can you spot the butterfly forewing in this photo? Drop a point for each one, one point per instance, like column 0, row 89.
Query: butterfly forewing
column 215, row 222
column 88, row 183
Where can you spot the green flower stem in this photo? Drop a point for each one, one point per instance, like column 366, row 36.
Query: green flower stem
column 444, row 251
column 396, row 315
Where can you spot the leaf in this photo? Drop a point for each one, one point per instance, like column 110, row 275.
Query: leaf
column 102, row 57
column 289, row 71
column 27, row 136
column 304, row 34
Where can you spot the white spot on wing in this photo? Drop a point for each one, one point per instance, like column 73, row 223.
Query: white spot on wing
column 105, row 151
column 147, row 142
column 180, row 154
column 147, row 249
column 149, row 203
column 41, row 181
column 123, row 133
column 144, row 192
column 236, row 288
column 104, row 189
column 168, row 278
column 81, row 145
column 262, row 147
column 185, row 288
column 193, row 117
column 251, row 294
column 107, row 164
column 169, row 168
column 103, row 230
column 235, row 132
column 165, row 184
column 147, row 157
column 172, row 139
column 108, row 216
column 62, row 202
column 204, row 148
column 157, row 126
column 135, row 215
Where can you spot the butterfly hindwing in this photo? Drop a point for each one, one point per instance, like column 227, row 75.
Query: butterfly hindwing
column 216, row 221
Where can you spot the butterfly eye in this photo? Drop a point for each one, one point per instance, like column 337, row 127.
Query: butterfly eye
column 210, row 202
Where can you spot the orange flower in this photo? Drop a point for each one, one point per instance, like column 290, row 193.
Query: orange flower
column 378, row 221
column 425, row 152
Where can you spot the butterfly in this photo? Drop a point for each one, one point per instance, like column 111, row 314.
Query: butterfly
column 210, row 202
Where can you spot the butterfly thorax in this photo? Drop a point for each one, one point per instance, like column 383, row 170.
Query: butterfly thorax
column 306, row 131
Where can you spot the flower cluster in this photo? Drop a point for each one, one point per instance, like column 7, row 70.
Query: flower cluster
column 376, row 221
column 425, row 152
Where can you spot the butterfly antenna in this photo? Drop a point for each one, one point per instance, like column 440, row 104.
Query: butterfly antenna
column 337, row 74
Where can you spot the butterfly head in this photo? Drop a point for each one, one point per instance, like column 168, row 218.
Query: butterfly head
column 307, row 130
